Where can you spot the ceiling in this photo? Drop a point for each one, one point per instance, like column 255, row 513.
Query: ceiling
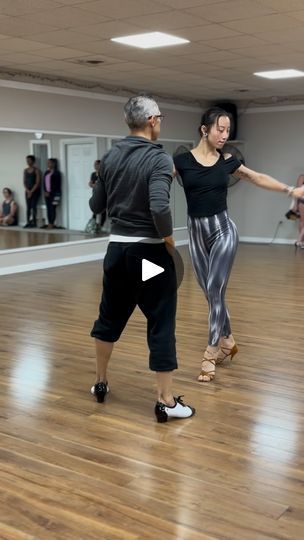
column 229, row 40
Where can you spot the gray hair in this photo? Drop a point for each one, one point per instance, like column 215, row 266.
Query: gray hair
column 138, row 109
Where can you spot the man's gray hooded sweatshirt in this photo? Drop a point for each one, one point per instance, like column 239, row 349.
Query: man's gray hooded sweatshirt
column 136, row 176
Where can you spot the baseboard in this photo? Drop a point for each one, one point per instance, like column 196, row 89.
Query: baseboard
column 265, row 240
column 181, row 236
column 50, row 264
column 14, row 261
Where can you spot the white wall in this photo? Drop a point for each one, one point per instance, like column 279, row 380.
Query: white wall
column 273, row 144
column 30, row 108
column 57, row 112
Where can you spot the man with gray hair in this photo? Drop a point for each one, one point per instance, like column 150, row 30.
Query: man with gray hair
column 138, row 109
column 135, row 189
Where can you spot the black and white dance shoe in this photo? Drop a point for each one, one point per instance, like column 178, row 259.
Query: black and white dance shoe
column 100, row 390
column 163, row 412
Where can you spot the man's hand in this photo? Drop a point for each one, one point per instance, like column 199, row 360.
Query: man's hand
column 170, row 245
column 169, row 241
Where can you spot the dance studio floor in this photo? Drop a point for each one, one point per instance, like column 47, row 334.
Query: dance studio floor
column 78, row 470
column 17, row 237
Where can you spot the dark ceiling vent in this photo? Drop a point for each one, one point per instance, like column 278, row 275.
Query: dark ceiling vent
column 90, row 62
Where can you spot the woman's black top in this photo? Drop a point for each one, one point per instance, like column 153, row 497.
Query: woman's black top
column 6, row 210
column 205, row 186
column 29, row 178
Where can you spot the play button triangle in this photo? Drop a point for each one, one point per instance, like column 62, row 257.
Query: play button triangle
column 149, row 270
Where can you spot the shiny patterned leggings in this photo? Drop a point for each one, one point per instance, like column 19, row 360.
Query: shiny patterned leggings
column 213, row 245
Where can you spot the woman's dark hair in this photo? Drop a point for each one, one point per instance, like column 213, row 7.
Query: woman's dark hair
column 31, row 157
column 55, row 162
column 7, row 189
column 211, row 118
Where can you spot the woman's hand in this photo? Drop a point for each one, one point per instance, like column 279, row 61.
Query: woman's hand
column 298, row 192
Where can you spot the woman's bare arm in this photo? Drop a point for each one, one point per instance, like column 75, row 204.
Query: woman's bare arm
column 267, row 182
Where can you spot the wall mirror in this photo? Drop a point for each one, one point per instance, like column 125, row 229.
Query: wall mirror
column 76, row 155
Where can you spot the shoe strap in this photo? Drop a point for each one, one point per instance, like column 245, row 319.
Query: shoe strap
column 229, row 349
column 211, row 360
column 177, row 400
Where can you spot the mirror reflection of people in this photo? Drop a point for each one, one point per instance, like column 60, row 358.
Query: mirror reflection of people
column 95, row 174
column 212, row 234
column 31, row 182
column 298, row 209
column 9, row 209
column 135, row 188
column 52, row 190
column 92, row 182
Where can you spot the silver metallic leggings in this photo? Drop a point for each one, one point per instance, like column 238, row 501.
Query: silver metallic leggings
column 213, row 245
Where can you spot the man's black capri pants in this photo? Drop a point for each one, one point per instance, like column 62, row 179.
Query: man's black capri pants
column 123, row 289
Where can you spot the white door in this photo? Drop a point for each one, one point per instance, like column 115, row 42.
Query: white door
column 79, row 166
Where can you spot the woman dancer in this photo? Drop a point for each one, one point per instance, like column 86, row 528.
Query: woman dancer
column 298, row 209
column 213, row 236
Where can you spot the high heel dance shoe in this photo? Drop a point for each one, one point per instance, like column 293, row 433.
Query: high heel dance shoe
column 163, row 412
column 100, row 390
column 226, row 352
column 207, row 375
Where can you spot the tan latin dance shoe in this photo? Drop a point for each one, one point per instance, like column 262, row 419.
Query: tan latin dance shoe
column 226, row 352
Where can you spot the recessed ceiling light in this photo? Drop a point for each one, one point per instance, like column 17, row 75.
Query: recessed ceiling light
column 150, row 40
column 280, row 74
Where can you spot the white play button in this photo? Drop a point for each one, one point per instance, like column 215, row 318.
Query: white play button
column 150, row 270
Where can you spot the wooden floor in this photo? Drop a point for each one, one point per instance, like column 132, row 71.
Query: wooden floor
column 75, row 469
column 16, row 237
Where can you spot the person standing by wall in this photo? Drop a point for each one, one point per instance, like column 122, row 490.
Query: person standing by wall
column 96, row 220
column 298, row 210
column 52, row 190
column 31, row 182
